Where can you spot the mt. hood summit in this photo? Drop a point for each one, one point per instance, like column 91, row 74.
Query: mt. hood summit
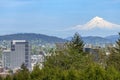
column 97, row 22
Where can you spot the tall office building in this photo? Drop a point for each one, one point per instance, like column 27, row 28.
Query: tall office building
column 19, row 54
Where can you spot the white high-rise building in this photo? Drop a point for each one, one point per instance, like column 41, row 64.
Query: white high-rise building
column 6, row 59
column 19, row 54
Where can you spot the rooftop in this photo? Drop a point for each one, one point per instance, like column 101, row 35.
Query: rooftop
column 15, row 41
column 7, row 50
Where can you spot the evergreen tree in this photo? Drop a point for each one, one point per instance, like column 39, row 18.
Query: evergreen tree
column 112, row 73
column 1, row 78
column 114, row 57
column 37, row 73
column 76, row 44
column 8, row 77
column 22, row 74
column 94, row 72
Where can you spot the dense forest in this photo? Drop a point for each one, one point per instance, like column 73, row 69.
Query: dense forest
column 72, row 63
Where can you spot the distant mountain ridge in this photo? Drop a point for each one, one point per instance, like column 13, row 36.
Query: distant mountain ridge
column 32, row 36
column 95, row 40
column 43, row 39
column 113, row 38
column 98, row 40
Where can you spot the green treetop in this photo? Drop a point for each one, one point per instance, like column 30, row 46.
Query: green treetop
column 76, row 43
column 114, row 57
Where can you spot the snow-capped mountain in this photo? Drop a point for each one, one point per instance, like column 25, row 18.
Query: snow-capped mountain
column 97, row 22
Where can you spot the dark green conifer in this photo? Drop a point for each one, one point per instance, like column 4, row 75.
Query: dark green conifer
column 114, row 57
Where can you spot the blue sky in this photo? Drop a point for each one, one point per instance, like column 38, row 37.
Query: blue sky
column 51, row 17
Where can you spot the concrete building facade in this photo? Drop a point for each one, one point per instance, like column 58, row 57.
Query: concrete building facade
column 18, row 55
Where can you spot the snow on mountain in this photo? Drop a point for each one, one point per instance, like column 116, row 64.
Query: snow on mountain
column 97, row 22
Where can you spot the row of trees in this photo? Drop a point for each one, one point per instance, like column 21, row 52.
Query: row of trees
column 73, row 64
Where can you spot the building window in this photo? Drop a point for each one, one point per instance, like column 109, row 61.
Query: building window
column 26, row 53
column 26, row 49
column 26, row 45
column 12, row 47
column 26, row 57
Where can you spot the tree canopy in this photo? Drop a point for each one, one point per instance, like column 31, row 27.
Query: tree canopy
column 114, row 57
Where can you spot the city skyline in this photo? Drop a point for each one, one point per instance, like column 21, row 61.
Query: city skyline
column 53, row 17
